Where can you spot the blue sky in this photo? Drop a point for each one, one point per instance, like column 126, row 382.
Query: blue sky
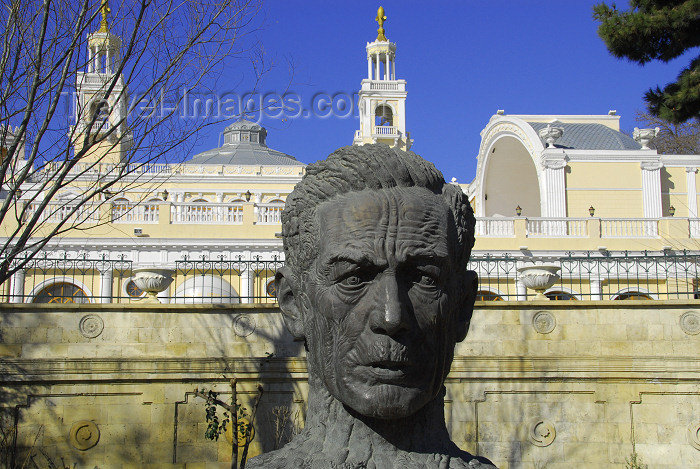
column 462, row 61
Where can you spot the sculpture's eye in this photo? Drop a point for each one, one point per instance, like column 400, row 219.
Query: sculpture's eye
column 351, row 281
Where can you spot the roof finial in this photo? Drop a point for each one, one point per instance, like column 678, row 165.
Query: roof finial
column 104, row 10
column 380, row 19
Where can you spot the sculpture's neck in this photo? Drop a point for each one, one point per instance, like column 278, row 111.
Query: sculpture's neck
column 342, row 429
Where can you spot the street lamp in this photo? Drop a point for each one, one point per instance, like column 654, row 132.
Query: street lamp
column 591, row 210
column 672, row 210
column 247, row 195
column 518, row 210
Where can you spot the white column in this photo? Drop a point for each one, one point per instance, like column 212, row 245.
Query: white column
column 651, row 188
column 596, row 288
column 386, row 67
column 369, row 66
column 520, row 290
column 18, row 287
column 393, row 69
column 376, row 67
column 692, row 191
column 106, row 282
column 179, row 198
column 247, row 286
column 555, row 191
column 108, row 64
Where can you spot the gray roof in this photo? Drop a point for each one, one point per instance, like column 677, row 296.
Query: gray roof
column 590, row 137
column 244, row 144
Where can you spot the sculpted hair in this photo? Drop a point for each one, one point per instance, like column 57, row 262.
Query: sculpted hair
column 354, row 169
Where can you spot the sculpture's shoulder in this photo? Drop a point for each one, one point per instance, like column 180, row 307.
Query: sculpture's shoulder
column 282, row 459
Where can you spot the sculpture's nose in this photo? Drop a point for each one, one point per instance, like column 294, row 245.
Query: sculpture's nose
column 391, row 315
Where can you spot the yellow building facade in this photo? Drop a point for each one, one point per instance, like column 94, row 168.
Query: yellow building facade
column 619, row 219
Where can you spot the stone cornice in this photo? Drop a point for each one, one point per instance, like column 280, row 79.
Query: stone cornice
column 597, row 368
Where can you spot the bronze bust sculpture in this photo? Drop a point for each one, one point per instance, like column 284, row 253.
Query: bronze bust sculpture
column 376, row 285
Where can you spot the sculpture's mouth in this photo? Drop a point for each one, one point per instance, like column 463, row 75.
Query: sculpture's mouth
column 389, row 369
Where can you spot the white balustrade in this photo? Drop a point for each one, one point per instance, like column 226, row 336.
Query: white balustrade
column 694, row 227
column 553, row 227
column 206, row 212
column 629, row 227
column 135, row 213
column 386, row 130
column 270, row 214
column 56, row 212
column 495, row 227
column 384, row 85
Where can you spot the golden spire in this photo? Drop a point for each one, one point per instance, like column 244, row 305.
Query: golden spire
column 104, row 10
column 380, row 19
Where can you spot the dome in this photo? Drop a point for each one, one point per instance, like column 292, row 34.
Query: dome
column 244, row 144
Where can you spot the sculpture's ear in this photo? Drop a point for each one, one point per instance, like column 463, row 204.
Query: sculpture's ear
column 466, row 305
column 288, row 295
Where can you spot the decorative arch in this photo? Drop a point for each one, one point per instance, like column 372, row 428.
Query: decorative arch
column 60, row 289
column 206, row 289
column 561, row 292
column 489, row 294
column 508, row 170
column 633, row 293
column 384, row 115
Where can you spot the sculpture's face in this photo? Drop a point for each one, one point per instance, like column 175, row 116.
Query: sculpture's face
column 383, row 296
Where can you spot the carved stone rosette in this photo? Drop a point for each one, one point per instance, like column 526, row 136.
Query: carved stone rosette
column 542, row 433
column 690, row 323
column 91, row 326
column 84, row 434
column 544, row 322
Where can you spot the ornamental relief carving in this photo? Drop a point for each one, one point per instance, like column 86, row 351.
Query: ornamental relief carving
column 84, row 435
column 694, row 435
column 690, row 323
column 541, row 433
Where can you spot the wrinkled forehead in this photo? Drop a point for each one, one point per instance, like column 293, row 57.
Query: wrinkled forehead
column 401, row 222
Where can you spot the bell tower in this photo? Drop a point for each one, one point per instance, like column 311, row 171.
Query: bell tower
column 99, row 115
column 382, row 98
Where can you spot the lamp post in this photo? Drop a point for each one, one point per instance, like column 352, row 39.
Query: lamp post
column 518, row 210
column 672, row 210
column 591, row 210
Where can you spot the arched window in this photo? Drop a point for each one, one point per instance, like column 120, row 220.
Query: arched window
column 560, row 295
column 633, row 295
column 234, row 211
column 61, row 292
column 486, row 295
column 198, row 211
column 383, row 116
column 101, row 108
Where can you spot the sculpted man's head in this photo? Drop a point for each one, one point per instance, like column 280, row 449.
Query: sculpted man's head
column 376, row 283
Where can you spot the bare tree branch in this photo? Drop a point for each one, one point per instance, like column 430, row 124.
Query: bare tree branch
column 66, row 152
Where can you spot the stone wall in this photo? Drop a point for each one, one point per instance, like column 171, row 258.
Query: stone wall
column 535, row 384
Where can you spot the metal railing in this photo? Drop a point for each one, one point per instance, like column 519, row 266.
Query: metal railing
column 582, row 277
